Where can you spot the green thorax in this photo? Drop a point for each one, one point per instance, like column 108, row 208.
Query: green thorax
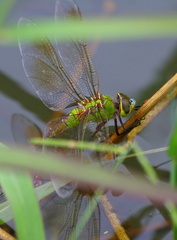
column 96, row 109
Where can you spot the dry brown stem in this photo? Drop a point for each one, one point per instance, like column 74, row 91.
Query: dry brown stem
column 5, row 236
column 113, row 219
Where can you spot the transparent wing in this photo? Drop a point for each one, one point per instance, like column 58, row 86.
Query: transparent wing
column 45, row 71
column 62, row 211
column 61, row 217
column 70, row 134
column 84, row 132
column 23, row 129
column 74, row 54
column 60, row 185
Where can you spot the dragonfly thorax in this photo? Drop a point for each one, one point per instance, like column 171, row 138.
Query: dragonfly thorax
column 97, row 108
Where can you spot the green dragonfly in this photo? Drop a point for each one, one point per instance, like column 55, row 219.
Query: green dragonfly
column 65, row 77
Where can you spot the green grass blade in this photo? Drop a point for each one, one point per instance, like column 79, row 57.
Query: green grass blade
column 5, row 212
column 41, row 192
column 73, row 144
column 19, row 190
column 44, row 190
column 173, row 214
column 121, row 157
column 5, row 7
column 60, row 166
column 149, row 170
column 172, row 152
column 106, row 29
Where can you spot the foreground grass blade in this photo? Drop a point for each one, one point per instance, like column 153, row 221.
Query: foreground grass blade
column 60, row 166
column 121, row 28
column 73, row 144
column 19, row 190
column 173, row 177
column 149, row 170
column 5, row 7
column 5, row 212
column 41, row 192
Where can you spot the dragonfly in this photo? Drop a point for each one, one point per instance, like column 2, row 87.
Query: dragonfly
column 65, row 77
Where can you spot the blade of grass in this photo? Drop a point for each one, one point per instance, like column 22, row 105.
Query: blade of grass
column 73, row 144
column 41, row 192
column 60, row 166
column 149, row 170
column 103, row 147
column 5, row 212
column 107, row 29
column 172, row 152
column 173, row 214
column 19, row 190
column 44, row 190
column 6, row 6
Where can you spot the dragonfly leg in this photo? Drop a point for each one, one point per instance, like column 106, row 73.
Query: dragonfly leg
column 126, row 130
column 116, row 128
column 99, row 127
column 137, row 107
column 116, row 125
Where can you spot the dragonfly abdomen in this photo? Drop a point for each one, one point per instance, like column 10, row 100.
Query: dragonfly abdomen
column 70, row 121
column 98, row 109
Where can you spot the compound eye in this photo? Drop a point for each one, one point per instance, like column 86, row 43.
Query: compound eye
column 132, row 102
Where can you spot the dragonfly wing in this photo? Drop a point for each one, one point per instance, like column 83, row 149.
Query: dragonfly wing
column 23, row 129
column 61, row 185
column 74, row 53
column 44, row 70
column 62, row 215
column 57, row 215
column 92, row 228
column 81, row 133
column 88, row 132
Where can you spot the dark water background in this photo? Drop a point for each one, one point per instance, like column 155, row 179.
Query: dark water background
column 135, row 67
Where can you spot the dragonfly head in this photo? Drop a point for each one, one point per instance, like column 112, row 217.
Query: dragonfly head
column 124, row 104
